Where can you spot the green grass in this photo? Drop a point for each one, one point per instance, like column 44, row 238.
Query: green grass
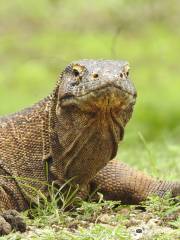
column 40, row 37
column 103, row 220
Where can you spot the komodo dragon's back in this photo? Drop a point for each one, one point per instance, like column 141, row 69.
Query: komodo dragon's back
column 72, row 134
column 20, row 153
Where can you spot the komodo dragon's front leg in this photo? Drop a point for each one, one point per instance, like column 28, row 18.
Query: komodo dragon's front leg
column 11, row 200
column 117, row 181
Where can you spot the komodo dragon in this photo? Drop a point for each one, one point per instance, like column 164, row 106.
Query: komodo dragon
column 74, row 131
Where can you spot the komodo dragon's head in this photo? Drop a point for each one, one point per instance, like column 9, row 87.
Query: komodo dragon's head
column 94, row 101
column 94, row 86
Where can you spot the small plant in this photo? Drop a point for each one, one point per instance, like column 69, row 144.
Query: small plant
column 162, row 207
column 51, row 208
column 92, row 210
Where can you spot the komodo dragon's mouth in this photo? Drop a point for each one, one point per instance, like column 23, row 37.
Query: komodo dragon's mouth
column 113, row 93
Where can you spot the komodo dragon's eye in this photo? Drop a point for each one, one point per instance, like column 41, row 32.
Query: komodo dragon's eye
column 77, row 70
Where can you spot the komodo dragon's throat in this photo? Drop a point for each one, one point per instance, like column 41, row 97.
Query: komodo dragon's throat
column 76, row 130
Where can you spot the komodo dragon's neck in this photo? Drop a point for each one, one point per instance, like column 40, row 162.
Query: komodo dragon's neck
column 81, row 144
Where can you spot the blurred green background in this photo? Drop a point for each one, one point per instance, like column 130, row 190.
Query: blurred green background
column 38, row 39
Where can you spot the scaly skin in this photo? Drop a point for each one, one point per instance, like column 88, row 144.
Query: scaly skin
column 118, row 179
column 74, row 133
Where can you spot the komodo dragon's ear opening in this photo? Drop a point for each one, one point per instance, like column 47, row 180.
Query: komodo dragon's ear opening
column 122, row 134
column 54, row 101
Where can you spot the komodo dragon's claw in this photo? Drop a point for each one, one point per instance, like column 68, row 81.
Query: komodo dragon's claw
column 11, row 220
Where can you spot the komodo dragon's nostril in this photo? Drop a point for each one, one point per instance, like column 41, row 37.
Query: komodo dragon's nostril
column 121, row 75
column 95, row 75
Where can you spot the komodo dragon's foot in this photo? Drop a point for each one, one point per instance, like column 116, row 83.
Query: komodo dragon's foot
column 11, row 220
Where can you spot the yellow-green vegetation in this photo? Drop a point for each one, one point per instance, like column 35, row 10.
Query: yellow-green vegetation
column 38, row 38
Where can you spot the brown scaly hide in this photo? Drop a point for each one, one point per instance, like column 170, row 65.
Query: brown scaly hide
column 24, row 145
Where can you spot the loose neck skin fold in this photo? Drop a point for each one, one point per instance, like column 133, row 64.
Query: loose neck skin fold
column 81, row 145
